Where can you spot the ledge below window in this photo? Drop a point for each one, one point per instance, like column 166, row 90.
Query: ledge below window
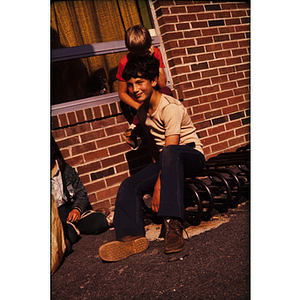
column 75, row 105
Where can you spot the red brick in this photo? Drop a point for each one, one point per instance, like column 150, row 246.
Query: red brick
column 103, row 123
column 68, row 142
column 88, row 114
column 209, row 31
column 124, row 147
column 97, row 206
column 189, row 59
column 236, row 140
column 74, row 160
column 205, row 57
column 209, row 140
column 221, row 38
column 87, row 168
column 116, row 179
column 192, row 33
column 183, row 26
column 202, row 82
column 219, row 79
column 242, row 28
column 54, row 122
column 72, row 118
column 205, row 16
column 219, row 146
column 242, row 90
column 243, row 130
column 209, row 73
column 92, row 198
column 216, row 129
column 192, row 93
column 116, row 129
column 233, row 61
column 237, row 36
column 80, row 116
column 210, row 89
column 244, row 82
column 199, row 24
column 230, row 109
column 244, row 44
column 225, row 135
column 113, row 108
column 172, row 36
column 109, row 192
column 78, row 129
column 228, row 6
column 222, row 14
column 208, row 98
column 193, row 76
column 205, row 124
column 108, row 141
column 58, row 134
column 95, row 155
column 235, row 100
column 228, row 85
column 167, row 28
column 105, row 109
column 233, row 124
column 201, row 108
column 65, row 153
column 204, row 40
column 97, row 112
column 197, row 118
column 227, row 29
column 227, row 70
column 202, row 134
column 245, row 105
column 83, row 148
column 85, row 179
column 212, row 114
column 179, row 70
column 216, row 63
column 225, row 94
column 220, row 54
column 175, row 52
column 236, row 76
column 230, row 45
column 235, row 21
column 92, row 135
column 170, row 45
column 195, row 8
column 186, row 43
column 180, row 78
column 243, row 67
column 95, row 186
column 187, row 18
column 218, row 104
column 178, row 9
column 239, row 52
column 63, row 120
column 108, row 162
column 213, row 47
column 122, row 167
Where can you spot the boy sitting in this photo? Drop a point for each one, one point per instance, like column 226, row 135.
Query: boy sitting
column 139, row 43
column 177, row 153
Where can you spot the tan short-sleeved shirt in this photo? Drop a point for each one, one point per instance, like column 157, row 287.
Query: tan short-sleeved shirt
column 170, row 118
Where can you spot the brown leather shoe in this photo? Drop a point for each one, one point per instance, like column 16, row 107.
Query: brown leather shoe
column 174, row 241
column 118, row 250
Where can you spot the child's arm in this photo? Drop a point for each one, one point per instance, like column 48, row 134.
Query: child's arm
column 125, row 97
column 161, row 82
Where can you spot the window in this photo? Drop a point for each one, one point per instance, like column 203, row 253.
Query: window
column 87, row 41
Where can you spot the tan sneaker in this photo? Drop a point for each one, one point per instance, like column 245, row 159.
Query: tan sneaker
column 118, row 250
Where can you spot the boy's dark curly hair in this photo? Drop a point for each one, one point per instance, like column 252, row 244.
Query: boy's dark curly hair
column 146, row 67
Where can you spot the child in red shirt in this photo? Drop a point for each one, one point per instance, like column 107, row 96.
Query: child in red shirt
column 138, row 42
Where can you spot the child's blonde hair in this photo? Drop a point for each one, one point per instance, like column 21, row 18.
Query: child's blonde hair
column 138, row 40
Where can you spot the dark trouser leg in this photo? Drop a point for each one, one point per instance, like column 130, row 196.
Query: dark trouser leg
column 128, row 219
column 94, row 223
column 177, row 163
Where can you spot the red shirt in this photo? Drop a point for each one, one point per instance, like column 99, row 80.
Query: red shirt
column 124, row 60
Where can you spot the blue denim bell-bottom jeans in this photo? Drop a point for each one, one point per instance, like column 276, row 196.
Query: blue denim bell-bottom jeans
column 176, row 163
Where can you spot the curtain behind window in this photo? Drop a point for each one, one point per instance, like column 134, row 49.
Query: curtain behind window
column 77, row 23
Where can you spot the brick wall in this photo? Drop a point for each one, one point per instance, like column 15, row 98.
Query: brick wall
column 207, row 44
column 207, row 49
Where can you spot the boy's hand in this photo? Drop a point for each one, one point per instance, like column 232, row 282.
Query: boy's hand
column 74, row 215
column 156, row 196
column 151, row 50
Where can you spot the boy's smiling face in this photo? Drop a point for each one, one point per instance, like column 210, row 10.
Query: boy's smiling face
column 140, row 88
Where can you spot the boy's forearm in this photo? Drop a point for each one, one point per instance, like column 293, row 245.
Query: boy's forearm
column 161, row 82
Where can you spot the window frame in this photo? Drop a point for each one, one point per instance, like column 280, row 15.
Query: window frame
column 95, row 50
